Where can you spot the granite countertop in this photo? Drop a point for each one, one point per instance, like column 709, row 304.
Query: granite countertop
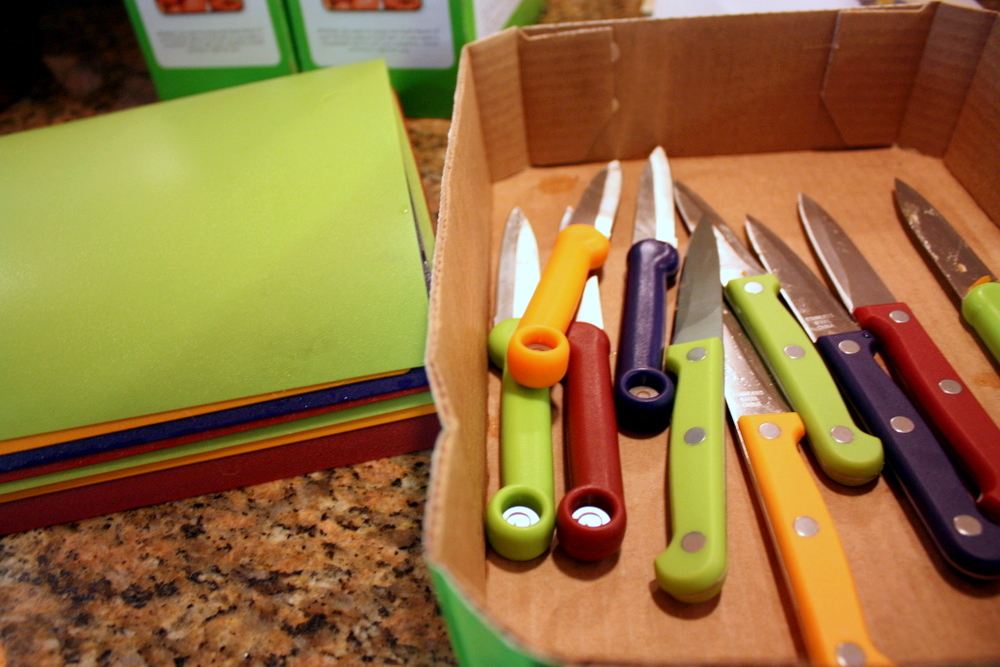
column 324, row 568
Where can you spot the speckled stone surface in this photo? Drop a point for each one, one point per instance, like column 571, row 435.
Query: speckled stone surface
column 320, row 569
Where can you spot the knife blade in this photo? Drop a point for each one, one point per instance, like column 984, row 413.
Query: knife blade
column 538, row 354
column 845, row 453
column 520, row 517
column 924, row 370
column 693, row 566
column 591, row 517
column 966, row 539
column 813, row 560
column 643, row 392
column 973, row 287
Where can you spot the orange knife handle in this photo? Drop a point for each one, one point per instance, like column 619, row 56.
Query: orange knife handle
column 817, row 569
column 538, row 354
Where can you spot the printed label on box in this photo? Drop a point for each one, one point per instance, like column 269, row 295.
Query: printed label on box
column 210, row 33
column 492, row 15
column 407, row 34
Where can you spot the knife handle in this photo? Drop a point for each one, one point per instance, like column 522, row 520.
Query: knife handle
column 826, row 601
column 966, row 538
column 845, row 453
column 594, row 465
column 526, row 467
column 643, row 392
column 981, row 310
column 939, row 390
column 538, row 354
column 693, row 567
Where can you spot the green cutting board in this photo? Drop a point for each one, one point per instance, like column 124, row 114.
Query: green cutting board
column 248, row 240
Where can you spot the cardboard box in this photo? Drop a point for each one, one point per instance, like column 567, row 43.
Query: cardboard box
column 752, row 110
column 193, row 46
column 420, row 40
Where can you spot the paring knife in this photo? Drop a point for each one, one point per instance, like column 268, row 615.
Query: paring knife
column 643, row 392
column 973, row 286
column 925, row 371
column 520, row 518
column 590, row 518
column 966, row 539
column 845, row 452
column 813, row 559
column 538, row 354
column 693, row 567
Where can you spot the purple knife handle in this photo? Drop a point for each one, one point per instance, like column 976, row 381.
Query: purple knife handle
column 968, row 540
column 593, row 462
column 651, row 266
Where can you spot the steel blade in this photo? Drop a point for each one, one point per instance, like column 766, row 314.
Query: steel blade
column 589, row 309
column 654, row 207
column 954, row 260
column 518, row 271
column 749, row 388
column 735, row 260
column 699, row 298
column 852, row 276
column 599, row 202
column 816, row 309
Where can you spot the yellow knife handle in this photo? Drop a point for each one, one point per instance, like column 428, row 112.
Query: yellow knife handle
column 815, row 565
column 538, row 354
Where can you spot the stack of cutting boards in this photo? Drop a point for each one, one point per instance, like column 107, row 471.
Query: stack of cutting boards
column 210, row 292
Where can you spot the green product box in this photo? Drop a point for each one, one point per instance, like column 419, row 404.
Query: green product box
column 420, row 40
column 193, row 46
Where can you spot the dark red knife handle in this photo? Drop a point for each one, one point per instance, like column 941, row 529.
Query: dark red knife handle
column 949, row 403
column 593, row 461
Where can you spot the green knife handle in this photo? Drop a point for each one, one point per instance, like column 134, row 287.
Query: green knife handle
column 981, row 309
column 693, row 567
column 845, row 453
column 526, row 468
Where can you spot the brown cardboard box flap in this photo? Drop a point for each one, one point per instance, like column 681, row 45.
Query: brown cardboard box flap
column 874, row 59
column 738, row 103
column 950, row 58
column 972, row 153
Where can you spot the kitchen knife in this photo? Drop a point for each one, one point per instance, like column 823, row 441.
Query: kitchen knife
column 590, row 518
column 812, row 557
column 966, row 539
column 693, row 567
column 538, row 354
column 973, row 286
column 924, row 370
column 520, row 517
column 643, row 392
column 845, row 452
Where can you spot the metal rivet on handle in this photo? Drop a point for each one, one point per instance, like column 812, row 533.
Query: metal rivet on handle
column 769, row 430
column 697, row 354
column 899, row 316
column 842, row 434
column 694, row 435
column 592, row 517
column 753, row 288
column 950, row 386
column 901, row 424
column 850, row 654
column 794, row 352
column 521, row 516
column 805, row 526
column 967, row 525
column 849, row 347
column 693, row 542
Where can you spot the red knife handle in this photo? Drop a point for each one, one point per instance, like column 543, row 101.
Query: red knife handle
column 939, row 390
column 593, row 463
